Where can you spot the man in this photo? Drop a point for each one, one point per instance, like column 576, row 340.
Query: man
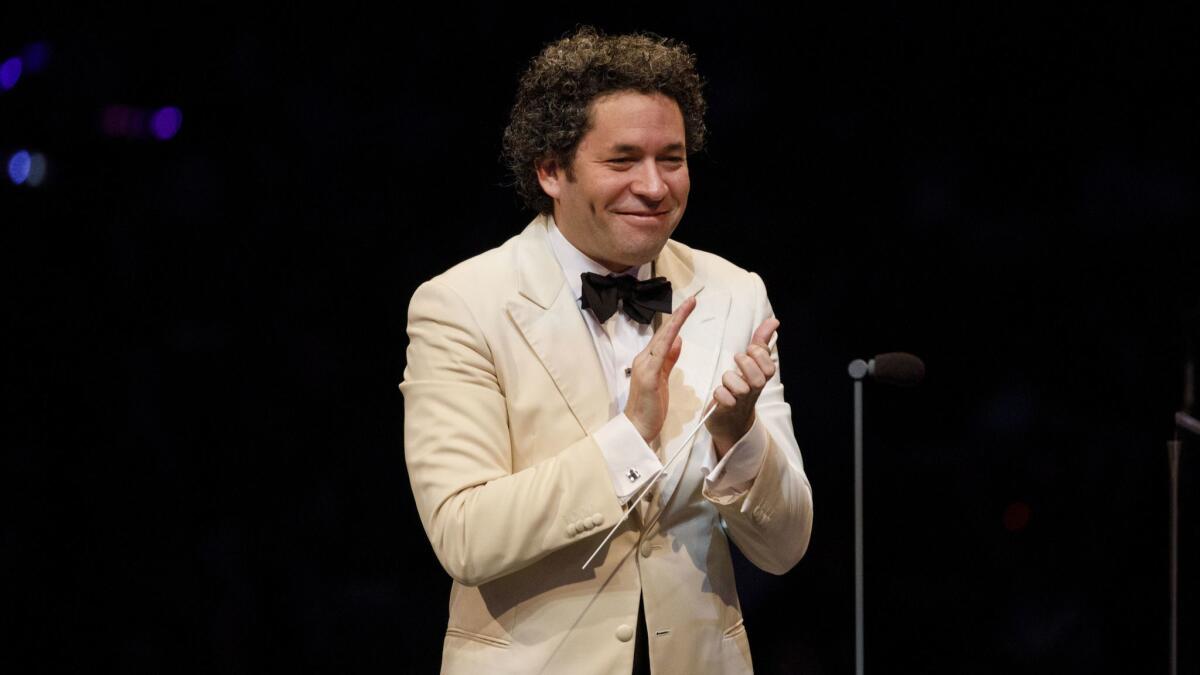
column 542, row 394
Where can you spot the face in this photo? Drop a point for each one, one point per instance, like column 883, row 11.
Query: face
column 629, row 183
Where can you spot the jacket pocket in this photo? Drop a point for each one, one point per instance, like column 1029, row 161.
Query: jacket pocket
column 476, row 637
column 482, row 613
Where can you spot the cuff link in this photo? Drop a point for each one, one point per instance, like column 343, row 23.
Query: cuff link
column 633, row 475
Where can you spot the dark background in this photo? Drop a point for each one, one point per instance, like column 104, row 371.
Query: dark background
column 203, row 458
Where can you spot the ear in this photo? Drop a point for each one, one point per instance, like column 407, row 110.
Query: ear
column 550, row 176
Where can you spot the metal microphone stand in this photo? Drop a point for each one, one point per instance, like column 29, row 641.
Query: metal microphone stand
column 1186, row 422
column 858, row 370
column 895, row 368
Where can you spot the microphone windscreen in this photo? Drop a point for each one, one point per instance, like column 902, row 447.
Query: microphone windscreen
column 899, row 368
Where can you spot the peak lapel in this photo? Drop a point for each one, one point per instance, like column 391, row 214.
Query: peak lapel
column 692, row 379
column 549, row 318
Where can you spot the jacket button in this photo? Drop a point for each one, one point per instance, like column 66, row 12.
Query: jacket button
column 597, row 519
column 624, row 632
column 571, row 530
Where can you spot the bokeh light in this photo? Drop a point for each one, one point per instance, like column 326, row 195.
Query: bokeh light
column 1016, row 516
column 166, row 122
column 18, row 167
column 37, row 169
column 10, row 72
column 36, row 55
column 123, row 121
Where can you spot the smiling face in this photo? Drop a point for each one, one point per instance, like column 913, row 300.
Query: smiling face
column 628, row 185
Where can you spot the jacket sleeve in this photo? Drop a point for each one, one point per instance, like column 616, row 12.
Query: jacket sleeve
column 771, row 522
column 483, row 520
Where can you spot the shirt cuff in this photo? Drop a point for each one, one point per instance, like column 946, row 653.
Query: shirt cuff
column 736, row 471
column 631, row 462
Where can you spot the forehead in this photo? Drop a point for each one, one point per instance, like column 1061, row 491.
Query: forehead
column 634, row 118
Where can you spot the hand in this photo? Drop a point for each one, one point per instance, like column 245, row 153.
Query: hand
column 739, row 390
column 648, row 388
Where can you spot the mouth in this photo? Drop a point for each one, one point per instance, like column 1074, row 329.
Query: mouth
column 644, row 217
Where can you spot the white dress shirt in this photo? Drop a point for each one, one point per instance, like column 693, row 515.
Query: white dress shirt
column 631, row 461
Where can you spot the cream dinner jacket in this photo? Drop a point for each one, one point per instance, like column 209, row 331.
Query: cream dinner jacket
column 502, row 390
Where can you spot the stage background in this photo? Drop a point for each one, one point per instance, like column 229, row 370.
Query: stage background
column 203, row 462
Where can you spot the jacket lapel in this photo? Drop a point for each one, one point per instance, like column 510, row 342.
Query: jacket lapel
column 550, row 320
column 692, row 379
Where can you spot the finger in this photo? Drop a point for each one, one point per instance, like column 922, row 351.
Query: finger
column 734, row 383
column 762, row 335
column 724, row 398
column 763, row 358
column 668, row 331
column 750, row 371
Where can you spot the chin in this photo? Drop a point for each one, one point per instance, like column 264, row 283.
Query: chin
column 645, row 254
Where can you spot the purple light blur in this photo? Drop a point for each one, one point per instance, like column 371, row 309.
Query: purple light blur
column 10, row 72
column 123, row 121
column 36, row 54
column 115, row 121
column 165, row 123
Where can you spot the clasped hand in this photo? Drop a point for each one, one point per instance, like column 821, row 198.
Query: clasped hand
column 734, row 399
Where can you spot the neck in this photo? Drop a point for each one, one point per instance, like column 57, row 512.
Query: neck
column 611, row 266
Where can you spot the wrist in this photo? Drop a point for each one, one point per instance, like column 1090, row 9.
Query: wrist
column 724, row 438
column 641, row 429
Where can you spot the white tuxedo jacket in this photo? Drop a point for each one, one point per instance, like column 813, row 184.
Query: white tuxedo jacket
column 502, row 391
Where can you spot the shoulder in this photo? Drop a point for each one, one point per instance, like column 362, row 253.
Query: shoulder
column 488, row 270
column 484, row 279
column 715, row 270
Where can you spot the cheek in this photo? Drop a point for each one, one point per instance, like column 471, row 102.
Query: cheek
column 681, row 185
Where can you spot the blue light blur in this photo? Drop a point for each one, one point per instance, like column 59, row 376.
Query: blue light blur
column 18, row 167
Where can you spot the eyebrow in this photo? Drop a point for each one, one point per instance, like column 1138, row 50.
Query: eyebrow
column 623, row 148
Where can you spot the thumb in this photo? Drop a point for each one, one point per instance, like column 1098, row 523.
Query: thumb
column 762, row 336
column 672, row 354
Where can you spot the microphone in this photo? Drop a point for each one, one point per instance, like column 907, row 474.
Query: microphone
column 896, row 368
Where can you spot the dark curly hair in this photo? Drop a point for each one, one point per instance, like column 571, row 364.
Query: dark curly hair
column 551, row 113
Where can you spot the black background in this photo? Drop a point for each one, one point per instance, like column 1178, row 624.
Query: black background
column 203, row 456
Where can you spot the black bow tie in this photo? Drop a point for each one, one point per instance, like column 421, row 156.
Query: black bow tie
column 639, row 299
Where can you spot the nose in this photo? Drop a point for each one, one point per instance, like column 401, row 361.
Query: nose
column 649, row 182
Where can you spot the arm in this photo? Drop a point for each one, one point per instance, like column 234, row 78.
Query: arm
column 771, row 521
column 483, row 520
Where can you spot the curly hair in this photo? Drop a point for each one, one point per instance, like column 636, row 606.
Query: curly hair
column 552, row 109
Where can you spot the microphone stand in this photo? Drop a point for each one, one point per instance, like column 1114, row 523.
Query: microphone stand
column 858, row 370
column 1186, row 422
column 895, row 368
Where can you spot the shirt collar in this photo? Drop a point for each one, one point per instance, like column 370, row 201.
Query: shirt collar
column 574, row 262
